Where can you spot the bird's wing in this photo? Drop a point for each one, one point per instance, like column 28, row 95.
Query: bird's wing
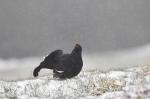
column 54, row 56
column 62, row 64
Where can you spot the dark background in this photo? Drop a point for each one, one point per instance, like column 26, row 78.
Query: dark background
column 37, row 27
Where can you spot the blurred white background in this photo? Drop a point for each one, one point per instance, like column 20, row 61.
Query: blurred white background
column 113, row 34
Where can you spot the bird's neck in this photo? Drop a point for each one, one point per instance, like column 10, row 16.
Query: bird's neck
column 76, row 54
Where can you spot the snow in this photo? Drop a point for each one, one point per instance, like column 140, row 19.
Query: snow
column 120, row 75
column 125, row 84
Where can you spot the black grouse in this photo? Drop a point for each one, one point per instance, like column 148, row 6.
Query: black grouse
column 63, row 65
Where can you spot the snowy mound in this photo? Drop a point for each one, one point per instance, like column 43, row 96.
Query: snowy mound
column 129, row 83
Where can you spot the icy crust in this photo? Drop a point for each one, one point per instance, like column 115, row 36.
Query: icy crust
column 130, row 83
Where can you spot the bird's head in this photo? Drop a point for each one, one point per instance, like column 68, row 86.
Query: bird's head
column 78, row 46
column 77, row 49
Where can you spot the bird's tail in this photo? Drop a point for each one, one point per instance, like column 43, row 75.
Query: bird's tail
column 36, row 71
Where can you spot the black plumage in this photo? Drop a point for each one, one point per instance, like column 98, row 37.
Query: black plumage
column 63, row 65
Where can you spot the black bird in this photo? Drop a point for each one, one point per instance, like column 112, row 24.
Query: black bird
column 63, row 65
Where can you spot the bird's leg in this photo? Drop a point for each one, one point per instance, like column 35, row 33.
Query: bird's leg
column 55, row 75
column 59, row 75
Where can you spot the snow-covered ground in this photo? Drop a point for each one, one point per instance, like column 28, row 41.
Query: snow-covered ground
column 117, row 75
column 131, row 83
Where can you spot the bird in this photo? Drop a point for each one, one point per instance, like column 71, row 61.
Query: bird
column 64, row 66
